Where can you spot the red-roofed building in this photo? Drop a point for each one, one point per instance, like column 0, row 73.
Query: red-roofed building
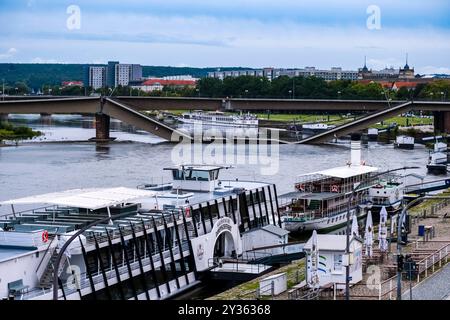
column 384, row 84
column 159, row 83
column 72, row 83
column 404, row 84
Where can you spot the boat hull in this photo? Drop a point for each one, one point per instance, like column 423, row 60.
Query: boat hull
column 322, row 224
column 218, row 123
column 406, row 146
column 437, row 168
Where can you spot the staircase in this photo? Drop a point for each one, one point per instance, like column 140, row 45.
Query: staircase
column 46, row 280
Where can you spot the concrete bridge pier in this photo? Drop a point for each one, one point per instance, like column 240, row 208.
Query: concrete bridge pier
column 102, row 125
column 441, row 121
column 4, row 117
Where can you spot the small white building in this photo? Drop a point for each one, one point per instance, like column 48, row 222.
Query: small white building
column 268, row 235
column 331, row 260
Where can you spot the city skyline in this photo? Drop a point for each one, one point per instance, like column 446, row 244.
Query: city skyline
column 249, row 34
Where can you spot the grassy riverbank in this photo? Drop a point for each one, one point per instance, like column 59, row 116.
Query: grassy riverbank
column 16, row 133
column 295, row 272
column 335, row 119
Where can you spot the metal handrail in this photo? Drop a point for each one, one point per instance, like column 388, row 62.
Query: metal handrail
column 27, row 210
column 48, row 248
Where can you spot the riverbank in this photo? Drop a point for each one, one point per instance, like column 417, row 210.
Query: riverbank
column 427, row 252
column 295, row 273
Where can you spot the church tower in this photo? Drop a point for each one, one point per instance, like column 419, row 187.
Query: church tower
column 406, row 72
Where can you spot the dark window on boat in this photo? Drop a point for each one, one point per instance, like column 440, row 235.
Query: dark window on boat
column 177, row 174
column 243, row 209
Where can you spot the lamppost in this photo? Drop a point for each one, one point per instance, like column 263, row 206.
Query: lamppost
column 443, row 96
column 290, row 92
column 293, row 87
column 355, row 188
column 399, row 238
column 339, row 95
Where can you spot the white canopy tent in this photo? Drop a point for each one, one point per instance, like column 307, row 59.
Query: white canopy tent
column 382, row 230
column 92, row 199
column 368, row 235
column 355, row 227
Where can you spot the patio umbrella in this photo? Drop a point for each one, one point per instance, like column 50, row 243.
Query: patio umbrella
column 355, row 228
column 314, row 280
column 382, row 232
column 368, row 235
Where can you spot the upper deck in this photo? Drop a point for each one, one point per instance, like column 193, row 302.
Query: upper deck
column 335, row 180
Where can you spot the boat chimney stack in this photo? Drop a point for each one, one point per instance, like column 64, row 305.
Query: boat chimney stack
column 355, row 147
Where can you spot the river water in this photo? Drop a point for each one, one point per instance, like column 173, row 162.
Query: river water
column 53, row 163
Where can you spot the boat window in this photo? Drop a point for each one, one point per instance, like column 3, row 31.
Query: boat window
column 197, row 175
column 177, row 174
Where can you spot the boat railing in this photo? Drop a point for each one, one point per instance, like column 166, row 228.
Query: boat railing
column 154, row 181
column 136, row 226
column 81, row 281
column 317, row 213
column 13, row 215
column 256, row 255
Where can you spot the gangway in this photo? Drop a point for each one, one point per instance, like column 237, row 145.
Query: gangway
column 430, row 186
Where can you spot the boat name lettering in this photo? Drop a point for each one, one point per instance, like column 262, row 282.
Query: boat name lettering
column 223, row 227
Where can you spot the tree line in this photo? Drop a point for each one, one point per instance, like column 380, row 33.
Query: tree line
column 260, row 87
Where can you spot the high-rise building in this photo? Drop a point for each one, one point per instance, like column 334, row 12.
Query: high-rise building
column 97, row 77
column 110, row 76
column 124, row 73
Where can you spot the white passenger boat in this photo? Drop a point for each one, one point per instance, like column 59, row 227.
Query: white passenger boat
column 387, row 193
column 372, row 134
column 404, row 142
column 438, row 159
column 218, row 118
column 316, row 127
column 321, row 199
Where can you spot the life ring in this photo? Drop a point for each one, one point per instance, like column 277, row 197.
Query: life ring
column 300, row 186
column 45, row 236
column 334, row 188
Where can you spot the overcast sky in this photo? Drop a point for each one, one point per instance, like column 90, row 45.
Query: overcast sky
column 214, row 33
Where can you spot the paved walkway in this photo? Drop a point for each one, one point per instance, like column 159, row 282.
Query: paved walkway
column 436, row 287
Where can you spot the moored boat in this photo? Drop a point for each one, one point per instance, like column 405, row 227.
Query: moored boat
column 386, row 193
column 438, row 159
column 404, row 142
column 316, row 127
column 150, row 243
column 322, row 199
column 218, row 118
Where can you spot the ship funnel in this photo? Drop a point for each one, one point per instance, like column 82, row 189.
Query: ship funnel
column 355, row 147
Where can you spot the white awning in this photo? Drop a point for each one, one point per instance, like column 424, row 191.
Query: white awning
column 344, row 172
column 86, row 198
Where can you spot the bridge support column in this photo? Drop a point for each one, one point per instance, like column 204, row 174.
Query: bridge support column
column 3, row 117
column 102, row 123
column 441, row 121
